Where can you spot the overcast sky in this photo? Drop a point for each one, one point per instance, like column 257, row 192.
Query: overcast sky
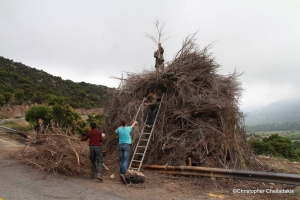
column 93, row 40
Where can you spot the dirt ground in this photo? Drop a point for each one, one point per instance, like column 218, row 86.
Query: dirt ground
column 192, row 187
column 280, row 165
column 156, row 186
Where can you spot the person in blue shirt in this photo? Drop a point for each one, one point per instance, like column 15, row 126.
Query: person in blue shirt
column 124, row 146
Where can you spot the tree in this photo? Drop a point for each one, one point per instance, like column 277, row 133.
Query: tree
column 296, row 144
column 81, row 126
column 275, row 145
column 160, row 33
column 99, row 119
column 39, row 112
column 64, row 115
column 260, row 147
column 38, row 97
column 2, row 99
column 282, row 146
column 53, row 99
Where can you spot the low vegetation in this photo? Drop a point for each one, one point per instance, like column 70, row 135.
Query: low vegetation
column 20, row 126
column 296, row 145
column 277, row 146
column 285, row 135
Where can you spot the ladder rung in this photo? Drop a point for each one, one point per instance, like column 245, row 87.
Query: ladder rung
column 144, row 139
column 141, row 146
column 146, row 133
column 138, row 154
column 133, row 168
column 136, row 160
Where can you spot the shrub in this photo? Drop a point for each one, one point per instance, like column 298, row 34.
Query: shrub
column 2, row 100
column 296, row 144
column 64, row 115
column 275, row 145
column 261, row 147
column 99, row 119
column 37, row 112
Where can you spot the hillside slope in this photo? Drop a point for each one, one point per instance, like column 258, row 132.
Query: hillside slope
column 278, row 112
column 30, row 85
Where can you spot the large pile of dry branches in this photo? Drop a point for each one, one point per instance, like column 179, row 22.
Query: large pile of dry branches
column 199, row 112
column 57, row 152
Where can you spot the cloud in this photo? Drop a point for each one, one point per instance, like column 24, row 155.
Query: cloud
column 93, row 40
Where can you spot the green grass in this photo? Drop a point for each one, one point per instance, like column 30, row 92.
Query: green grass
column 19, row 126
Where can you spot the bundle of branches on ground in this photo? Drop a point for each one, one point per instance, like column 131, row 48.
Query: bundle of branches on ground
column 57, row 152
column 199, row 113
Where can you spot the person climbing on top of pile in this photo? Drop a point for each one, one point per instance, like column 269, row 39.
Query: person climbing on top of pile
column 151, row 101
column 159, row 59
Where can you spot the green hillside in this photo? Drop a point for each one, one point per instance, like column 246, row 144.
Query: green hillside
column 29, row 85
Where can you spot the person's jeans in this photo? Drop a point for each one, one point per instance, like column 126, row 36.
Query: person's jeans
column 96, row 155
column 124, row 151
column 151, row 115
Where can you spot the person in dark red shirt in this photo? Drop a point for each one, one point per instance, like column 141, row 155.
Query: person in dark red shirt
column 95, row 139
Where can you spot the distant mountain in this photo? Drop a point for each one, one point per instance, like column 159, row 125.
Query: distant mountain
column 30, row 86
column 278, row 112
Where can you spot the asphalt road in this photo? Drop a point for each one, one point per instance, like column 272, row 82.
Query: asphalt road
column 18, row 181
column 21, row 181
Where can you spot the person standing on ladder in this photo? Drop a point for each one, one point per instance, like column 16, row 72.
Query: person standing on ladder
column 124, row 146
column 151, row 101
column 159, row 59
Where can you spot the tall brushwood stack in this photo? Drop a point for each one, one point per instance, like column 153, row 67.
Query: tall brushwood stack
column 199, row 113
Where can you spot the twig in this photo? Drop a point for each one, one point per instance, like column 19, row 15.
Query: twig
column 78, row 161
column 73, row 138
